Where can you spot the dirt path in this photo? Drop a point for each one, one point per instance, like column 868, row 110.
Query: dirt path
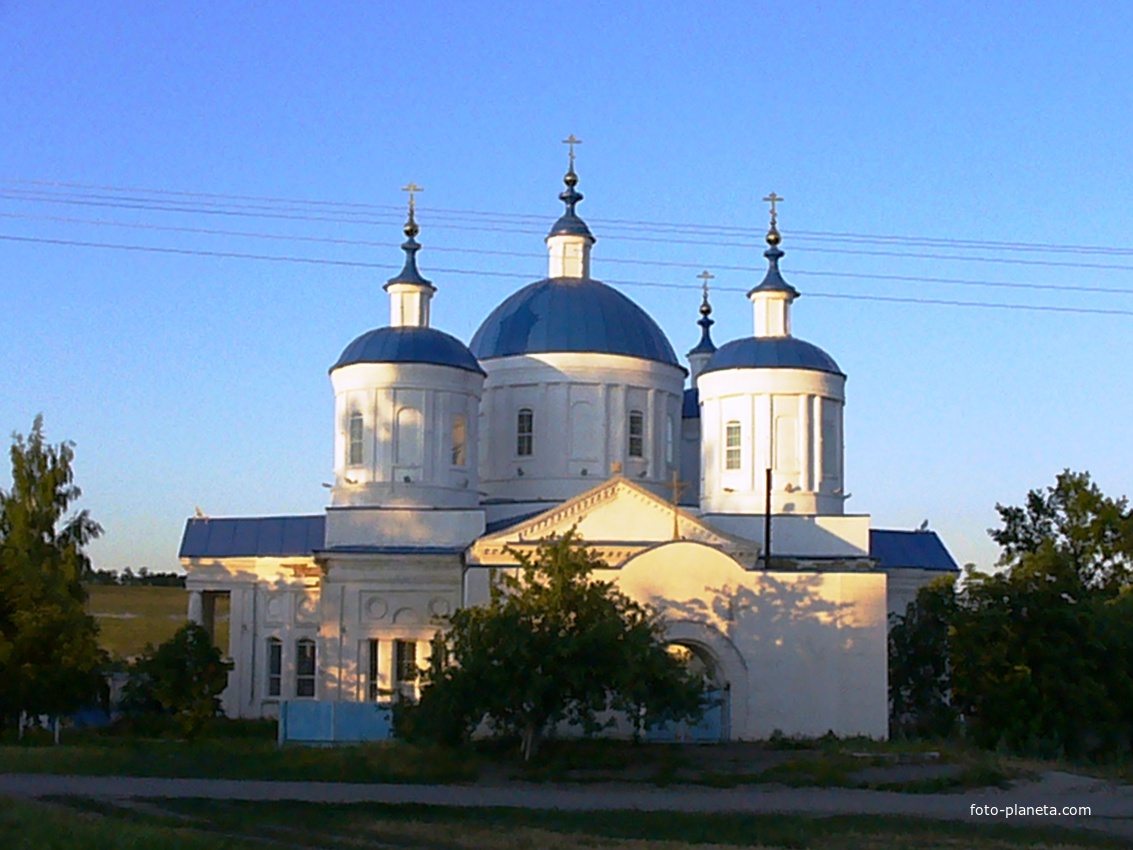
column 1111, row 805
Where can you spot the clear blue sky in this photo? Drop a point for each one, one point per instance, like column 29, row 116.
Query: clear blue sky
column 194, row 379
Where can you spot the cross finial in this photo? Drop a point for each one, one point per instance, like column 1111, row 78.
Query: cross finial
column 773, row 199
column 705, row 276
column 412, row 189
column 678, row 488
column 572, row 141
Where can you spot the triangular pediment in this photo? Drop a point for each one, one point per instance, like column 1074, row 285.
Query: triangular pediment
column 619, row 519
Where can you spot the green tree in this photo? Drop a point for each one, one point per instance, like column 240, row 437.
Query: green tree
column 920, row 669
column 1074, row 527
column 183, row 678
column 1033, row 657
column 552, row 644
column 50, row 662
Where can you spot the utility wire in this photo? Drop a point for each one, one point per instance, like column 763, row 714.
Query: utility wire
column 668, row 240
column 534, row 218
column 950, row 281
column 498, row 274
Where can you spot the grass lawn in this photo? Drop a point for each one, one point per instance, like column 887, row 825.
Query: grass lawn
column 192, row 824
column 239, row 758
column 130, row 617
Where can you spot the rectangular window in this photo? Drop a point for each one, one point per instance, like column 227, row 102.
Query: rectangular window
column 405, row 667
column 356, row 435
column 275, row 667
column 732, row 445
column 305, row 667
column 372, row 693
column 525, row 432
column 459, row 440
column 636, row 434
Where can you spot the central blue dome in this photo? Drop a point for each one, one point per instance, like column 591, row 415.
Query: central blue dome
column 571, row 314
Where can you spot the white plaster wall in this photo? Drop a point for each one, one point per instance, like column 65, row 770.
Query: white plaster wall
column 384, row 598
column 780, row 414
column 340, row 605
column 393, row 473
column 268, row 597
column 804, row 652
column 845, row 536
column 364, row 526
column 570, row 456
column 904, row 582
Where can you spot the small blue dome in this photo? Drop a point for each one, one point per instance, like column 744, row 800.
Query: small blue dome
column 772, row 352
column 571, row 314
column 409, row 344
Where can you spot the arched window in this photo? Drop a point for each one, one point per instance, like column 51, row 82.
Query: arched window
column 355, row 436
column 670, row 440
column 275, row 667
column 459, row 440
column 305, row 666
column 525, row 432
column 410, row 436
column 636, row 433
column 732, row 445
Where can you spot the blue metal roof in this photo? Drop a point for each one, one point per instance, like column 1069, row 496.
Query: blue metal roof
column 240, row 537
column 409, row 344
column 690, row 404
column 773, row 280
column 771, row 352
column 916, row 549
column 571, row 314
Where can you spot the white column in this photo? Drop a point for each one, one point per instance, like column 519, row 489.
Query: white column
column 196, row 607
column 804, row 443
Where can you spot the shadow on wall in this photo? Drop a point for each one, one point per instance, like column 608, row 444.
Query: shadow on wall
column 796, row 658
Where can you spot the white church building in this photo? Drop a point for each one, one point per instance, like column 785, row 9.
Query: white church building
column 569, row 409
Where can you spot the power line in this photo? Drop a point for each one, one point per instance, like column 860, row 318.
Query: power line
column 534, row 218
column 657, row 284
column 950, row 281
column 668, row 240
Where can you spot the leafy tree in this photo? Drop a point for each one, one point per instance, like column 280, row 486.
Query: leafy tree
column 1081, row 531
column 920, row 670
column 551, row 645
column 182, row 678
column 50, row 662
column 1033, row 657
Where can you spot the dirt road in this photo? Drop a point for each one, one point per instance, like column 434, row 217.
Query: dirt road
column 1110, row 805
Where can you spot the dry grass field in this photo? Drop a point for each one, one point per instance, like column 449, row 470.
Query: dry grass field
column 131, row 617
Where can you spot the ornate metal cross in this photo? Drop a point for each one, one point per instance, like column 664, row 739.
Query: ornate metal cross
column 412, row 189
column 705, row 276
column 572, row 141
column 774, row 199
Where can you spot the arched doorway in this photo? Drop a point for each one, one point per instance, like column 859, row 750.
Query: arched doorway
column 713, row 724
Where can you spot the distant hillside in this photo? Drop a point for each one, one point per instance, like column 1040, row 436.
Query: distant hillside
column 130, row 617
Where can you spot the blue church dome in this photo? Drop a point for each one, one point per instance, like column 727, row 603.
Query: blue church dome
column 571, row 314
column 408, row 344
column 772, row 352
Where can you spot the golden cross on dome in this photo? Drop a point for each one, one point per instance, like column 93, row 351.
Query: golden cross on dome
column 773, row 199
column 572, row 141
column 705, row 276
column 412, row 189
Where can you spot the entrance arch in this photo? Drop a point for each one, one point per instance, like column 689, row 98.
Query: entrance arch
column 707, row 650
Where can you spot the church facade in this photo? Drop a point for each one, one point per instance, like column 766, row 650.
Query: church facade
column 569, row 409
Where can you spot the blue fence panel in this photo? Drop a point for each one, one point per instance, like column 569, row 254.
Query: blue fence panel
column 322, row 722
column 711, row 727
